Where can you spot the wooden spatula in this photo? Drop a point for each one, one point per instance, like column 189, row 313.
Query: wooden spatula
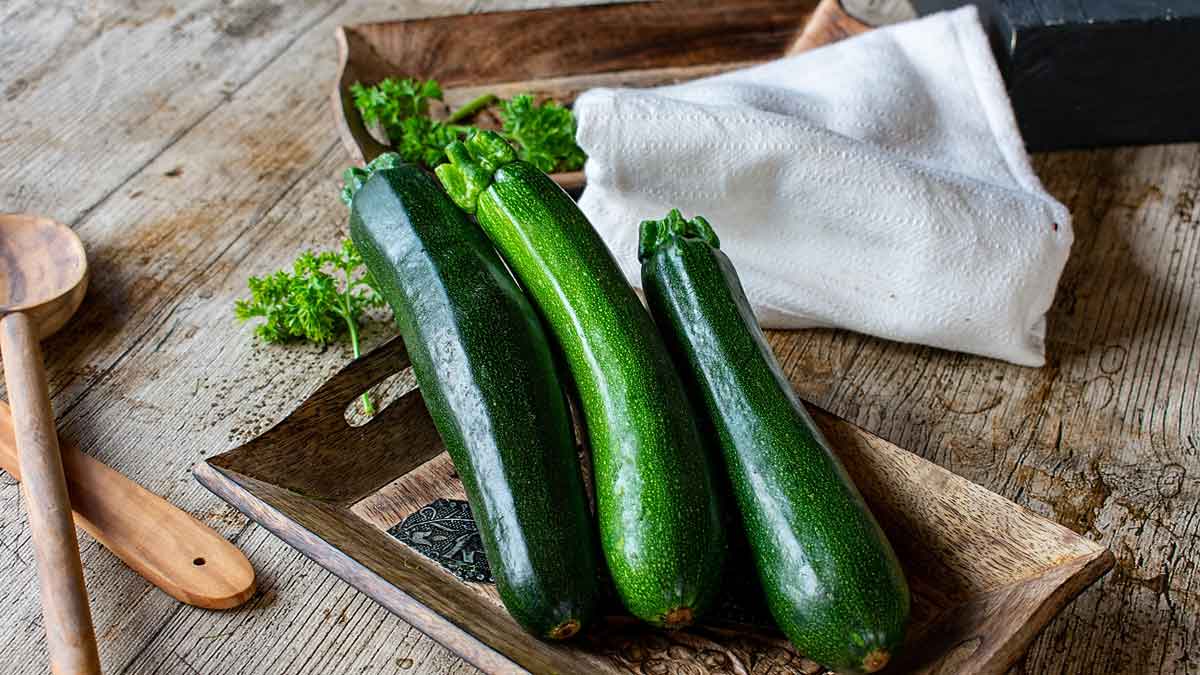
column 43, row 278
column 170, row 548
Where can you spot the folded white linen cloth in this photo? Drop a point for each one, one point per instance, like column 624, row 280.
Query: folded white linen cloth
column 878, row 184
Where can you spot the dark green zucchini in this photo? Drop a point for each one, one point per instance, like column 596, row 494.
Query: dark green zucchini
column 832, row 581
column 484, row 366
column 660, row 524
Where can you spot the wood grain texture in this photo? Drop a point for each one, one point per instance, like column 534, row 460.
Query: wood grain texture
column 70, row 637
column 168, row 547
column 226, row 167
column 43, row 271
column 96, row 90
column 541, row 43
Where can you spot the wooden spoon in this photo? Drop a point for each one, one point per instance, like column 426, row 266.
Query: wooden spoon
column 43, row 276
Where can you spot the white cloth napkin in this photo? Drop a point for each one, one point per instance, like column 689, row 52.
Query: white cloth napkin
column 878, row 184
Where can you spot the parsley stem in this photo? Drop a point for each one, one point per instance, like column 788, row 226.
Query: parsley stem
column 352, row 323
column 472, row 107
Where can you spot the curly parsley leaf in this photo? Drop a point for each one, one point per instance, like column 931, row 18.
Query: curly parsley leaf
column 392, row 101
column 545, row 134
column 423, row 141
column 323, row 295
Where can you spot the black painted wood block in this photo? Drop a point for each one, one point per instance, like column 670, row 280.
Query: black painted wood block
column 1085, row 73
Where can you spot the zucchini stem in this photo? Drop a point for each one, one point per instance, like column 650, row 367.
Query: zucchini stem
column 473, row 106
column 654, row 234
column 565, row 630
column 680, row 617
column 876, row 660
column 354, row 178
column 472, row 164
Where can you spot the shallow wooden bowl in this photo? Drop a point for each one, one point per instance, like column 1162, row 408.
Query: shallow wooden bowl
column 986, row 574
column 559, row 52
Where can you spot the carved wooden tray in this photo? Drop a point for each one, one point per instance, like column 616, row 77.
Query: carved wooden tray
column 558, row 53
column 986, row 574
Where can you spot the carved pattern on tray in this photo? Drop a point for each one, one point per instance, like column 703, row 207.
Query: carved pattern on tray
column 445, row 532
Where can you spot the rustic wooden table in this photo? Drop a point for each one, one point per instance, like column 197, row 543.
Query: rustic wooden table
column 190, row 145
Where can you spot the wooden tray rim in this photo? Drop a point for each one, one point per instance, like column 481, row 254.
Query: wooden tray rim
column 1081, row 571
column 346, row 119
column 228, row 485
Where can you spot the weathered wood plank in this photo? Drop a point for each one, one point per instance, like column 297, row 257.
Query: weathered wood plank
column 154, row 375
column 303, row 620
column 95, row 90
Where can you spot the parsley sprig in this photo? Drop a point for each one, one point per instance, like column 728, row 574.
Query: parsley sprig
column 322, row 296
column 544, row 134
column 392, row 101
column 401, row 107
column 423, row 140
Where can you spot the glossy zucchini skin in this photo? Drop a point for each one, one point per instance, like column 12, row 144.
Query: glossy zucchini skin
column 659, row 515
column 832, row 581
column 484, row 367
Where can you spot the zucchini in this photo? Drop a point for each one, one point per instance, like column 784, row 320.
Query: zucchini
column 484, row 366
column 832, row 581
column 660, row 522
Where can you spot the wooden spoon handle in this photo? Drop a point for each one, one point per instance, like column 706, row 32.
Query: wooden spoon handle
column 166, row 545
column 70, row 638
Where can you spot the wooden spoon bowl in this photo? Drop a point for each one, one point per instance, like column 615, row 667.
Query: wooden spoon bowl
column 43, row 271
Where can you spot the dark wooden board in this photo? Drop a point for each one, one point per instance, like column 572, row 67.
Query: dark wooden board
column 1096, row 72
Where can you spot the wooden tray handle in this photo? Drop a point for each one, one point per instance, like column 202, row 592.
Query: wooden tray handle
column 828, row 24
column 351, row 381
column 345, row 117
column 313, row 432
column 322, row 414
